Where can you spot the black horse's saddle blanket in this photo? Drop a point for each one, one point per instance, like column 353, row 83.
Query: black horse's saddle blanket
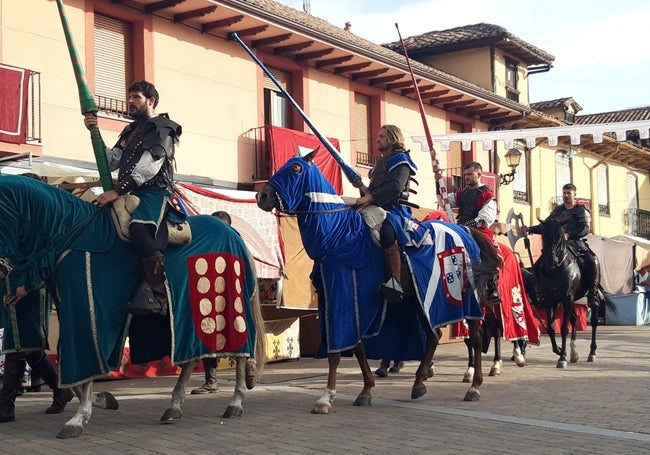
column 122, row 209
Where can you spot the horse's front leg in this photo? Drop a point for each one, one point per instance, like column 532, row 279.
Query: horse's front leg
column 75, row 426
column 519, row 352
column 550, row 329
column 422, row 373
column 564, row 332
column 175, row 410
column 365, row 397
column 236, row 408
column 324, row 404
column 476, row 338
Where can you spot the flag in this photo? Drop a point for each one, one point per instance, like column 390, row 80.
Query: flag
column 13, row 104
column 285, row 143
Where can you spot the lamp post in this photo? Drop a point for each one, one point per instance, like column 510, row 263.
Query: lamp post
column 513, row 157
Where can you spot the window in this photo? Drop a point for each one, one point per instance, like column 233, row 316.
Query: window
column 363, row 130
column 113, row 63
column 603, row 189
column 277, row 110
column 520, row 183
column 511, row 80
column 562, row 171
column 632, row 192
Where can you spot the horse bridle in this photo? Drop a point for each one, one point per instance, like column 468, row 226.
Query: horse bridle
column 281, row 209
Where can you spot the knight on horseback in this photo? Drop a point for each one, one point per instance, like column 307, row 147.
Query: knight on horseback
column 389, row 189
column 575, row 219
column 477, row 207
column 144, row 154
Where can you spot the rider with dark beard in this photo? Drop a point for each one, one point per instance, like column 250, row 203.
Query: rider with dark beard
column 144, row 154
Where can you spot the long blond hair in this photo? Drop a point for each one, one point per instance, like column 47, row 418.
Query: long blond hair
column 394, row 136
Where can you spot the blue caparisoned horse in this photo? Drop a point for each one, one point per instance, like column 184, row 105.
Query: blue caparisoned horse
column 48, row 236
column 348, row 268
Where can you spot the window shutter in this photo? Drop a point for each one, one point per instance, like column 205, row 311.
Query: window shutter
column 113, row 57
column 362, row 123
column 283, row 78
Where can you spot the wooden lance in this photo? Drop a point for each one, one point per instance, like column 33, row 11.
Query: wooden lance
column 442, row 187
column 88, row 105
column 352, row 175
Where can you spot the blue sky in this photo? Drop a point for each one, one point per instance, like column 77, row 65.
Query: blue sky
column 600, row 46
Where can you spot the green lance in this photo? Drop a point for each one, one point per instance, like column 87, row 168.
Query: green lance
column 88, row 104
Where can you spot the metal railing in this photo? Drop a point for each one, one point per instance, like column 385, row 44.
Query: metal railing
column 637, row 222
column 366, row 159
column 112, row 106
column 512, row 94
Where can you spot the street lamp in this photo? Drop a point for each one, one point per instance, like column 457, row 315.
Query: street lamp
column 513, row 156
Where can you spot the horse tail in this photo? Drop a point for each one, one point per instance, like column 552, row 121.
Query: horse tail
column 602, row 299
column 258, row 321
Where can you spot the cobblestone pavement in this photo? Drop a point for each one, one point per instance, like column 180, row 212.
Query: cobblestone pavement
column 588, row 408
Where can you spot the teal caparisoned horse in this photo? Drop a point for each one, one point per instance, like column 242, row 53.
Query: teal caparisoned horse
column 48, row 236
column 446, row 271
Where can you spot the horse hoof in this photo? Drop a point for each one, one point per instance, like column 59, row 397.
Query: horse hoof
column 382, row 371
column 418, row 391
column 494, row 372
column 321, row 408
column 171, row 415
column 106, row 400
column 469, row 375
column 233, row 411
column 473, row 394
column 520, row 361
column 70, row 431
column 574, row 357
column 362, row 400
column 562, row 363
column 431, row 372
column 591, row 358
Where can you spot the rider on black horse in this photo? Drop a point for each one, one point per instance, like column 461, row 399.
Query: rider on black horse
column 575, row 219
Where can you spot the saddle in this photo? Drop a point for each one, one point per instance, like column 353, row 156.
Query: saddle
column 123, row 208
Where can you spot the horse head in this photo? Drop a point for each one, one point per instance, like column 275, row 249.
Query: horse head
column 295, row 186
column 553, row 241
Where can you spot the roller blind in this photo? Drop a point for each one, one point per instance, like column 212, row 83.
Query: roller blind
column 113, row 57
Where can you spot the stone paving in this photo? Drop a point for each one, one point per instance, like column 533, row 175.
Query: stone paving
column 588, row 408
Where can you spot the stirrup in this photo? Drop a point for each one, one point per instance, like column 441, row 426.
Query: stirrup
column 391, row 290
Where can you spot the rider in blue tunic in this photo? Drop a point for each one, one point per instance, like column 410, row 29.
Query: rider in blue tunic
column 389, row 186
column 144, row 154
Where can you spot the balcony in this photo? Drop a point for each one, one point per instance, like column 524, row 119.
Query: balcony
column 112, row 106
column 512, row 94
column 637, row 222
column 366, row 159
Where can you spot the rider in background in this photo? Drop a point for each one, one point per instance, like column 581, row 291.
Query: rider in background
column 389, row 186
column 477, row 207
column 575, row 219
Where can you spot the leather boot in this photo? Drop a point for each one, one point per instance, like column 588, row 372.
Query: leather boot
column 151, row 295
column 60, row 397
column 13, row 375
column 392, row 288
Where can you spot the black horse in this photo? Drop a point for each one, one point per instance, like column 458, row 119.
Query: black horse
column 561, row 276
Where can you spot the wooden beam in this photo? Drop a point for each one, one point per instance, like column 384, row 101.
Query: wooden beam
column 205, row 28
column 314, row 54
column 252, row 30
column 333, row 61
column 271, row 40
column 482, row 112
column 473, row 108
column 385, row 79
column 436, row 93
column 446, row 99
column 424, row 88
column 194, row 13
column 163, row 4
column 402, row 84
column 281, row 50
column 348, row 68
column 462, row 103
column 371, row 73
